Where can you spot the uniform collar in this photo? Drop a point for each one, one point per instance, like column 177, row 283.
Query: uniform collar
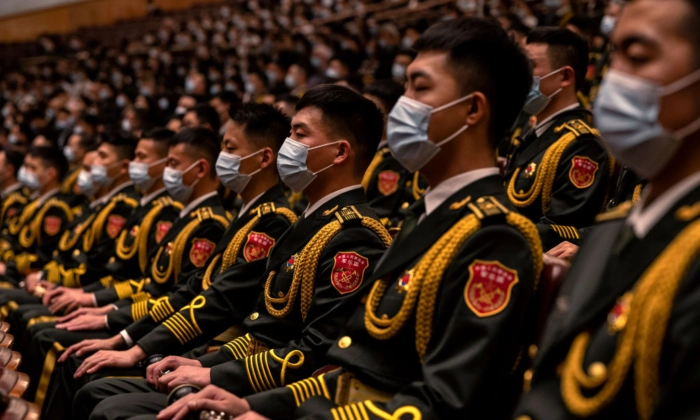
column 188, row 208
column 9, row 190
column 311, row 209
column 434, row 197
column 247, row 206
column 150, row 197
column 42, row 199
column 104, row 199
column 542, row 126
column 644, row 218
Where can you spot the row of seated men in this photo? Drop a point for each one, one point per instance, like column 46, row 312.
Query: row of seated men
column 296, row 315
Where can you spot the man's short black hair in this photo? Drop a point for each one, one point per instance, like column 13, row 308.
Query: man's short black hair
column 483, row 59
column 565, row 48
column 51, row 157
column 229, row 98
column 161, row 139
column 350, row 116
column 264, row 125
column 87, row 142
column 14, row 157
column 206, row 114
column 123, row 143
column 388, row 91
column 201, row 141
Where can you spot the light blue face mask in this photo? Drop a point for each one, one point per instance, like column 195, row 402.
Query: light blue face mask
column 87, row 187
column 100, row 174
column 172, row 178
column 69, row 154
column 626, row 112
column 407, row 132
column 291, row 164
column 138, row 172
column 536, row 101
column 228, row 170
column 28, row 179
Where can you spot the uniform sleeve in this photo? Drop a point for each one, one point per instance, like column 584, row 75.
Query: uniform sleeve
column 461, row 378
column 229, row 298
column 578, row 193
column 327, row 314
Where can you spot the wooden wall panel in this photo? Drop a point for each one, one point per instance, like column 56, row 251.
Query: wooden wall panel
column 63, row 19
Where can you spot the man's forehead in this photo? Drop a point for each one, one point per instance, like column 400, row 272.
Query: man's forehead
column 650, row 19
column 428, row 64
column 309, row 117
column 536, row 51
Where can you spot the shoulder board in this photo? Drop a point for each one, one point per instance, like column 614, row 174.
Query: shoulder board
column 77, row 211
column 577, row 127
column 348, row 214
column 486, row 206
column 618, row 212
column 205, row 213
column 166, row 202
column 264, row 209
column 17, row 196
column 132, row 202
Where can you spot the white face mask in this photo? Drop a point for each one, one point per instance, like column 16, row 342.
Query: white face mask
column 536, row 101
column 291, row 164
column 138, row 172
column 627, row 114
column 407, row 132
column 228, row 169
column 100, row 174
column 87, row 187
column 172, row 178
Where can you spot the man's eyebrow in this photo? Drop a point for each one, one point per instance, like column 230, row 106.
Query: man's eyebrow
column 632, row 39
column 418, row 73
column 301, row 125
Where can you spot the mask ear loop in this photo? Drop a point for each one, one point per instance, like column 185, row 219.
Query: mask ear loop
column 549, row 74
column 187, row 170
column 318, row 147
column 676, row 86
column 251, row 155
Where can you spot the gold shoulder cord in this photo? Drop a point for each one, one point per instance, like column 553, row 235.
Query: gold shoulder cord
column 544, row 179
column 372, row 168
column 642, row 339
column 95, row 232
column 306, row 265
column 69, row 239
column 429, row 273
column 180, row 243
column 23, row 219
column 14, row 198
column 69, row 182
column 232, row 250
column 415, row 187
column 32, row 231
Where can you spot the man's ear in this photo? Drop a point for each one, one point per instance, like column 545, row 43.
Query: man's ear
column 124, row 169
column 204, row 167
column 569, row 77
column 479, row 109
column 344, row 149
column 268, row 157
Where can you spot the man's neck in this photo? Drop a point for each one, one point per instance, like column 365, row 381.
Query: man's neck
column 257, row 187
column 685, row 163
column 444, row 166
column 318, row 189
column 158, row 185
column 8, row 183
column 48, row 187
column 197, row 193
column 559, row 102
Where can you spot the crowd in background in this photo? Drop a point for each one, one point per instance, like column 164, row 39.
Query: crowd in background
column 255, row 50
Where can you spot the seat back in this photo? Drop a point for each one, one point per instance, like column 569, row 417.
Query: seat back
column 9, row 359
column 18, row 409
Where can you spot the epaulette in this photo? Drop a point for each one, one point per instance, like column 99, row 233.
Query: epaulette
column 618, row 212
column 132, row 202
column 578, row 128
column 205, row 213
column 165, row 202
column 264, row 209
column 348, row 214
column 487, row 206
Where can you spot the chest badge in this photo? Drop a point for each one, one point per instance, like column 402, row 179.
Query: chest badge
column 530, row 170
column 115, row 224
column 290, row 263
column 618, row 316
column 257, row 246
column 162, row 229
column 201, row 250
column 52, row 225
column 404, row 282
column 582, row 172
column 489, row 287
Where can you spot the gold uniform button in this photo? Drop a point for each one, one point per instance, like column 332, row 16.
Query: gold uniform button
column 254, row 316
column 55, row 253
column 527, row 380
column 523, row 418
column 404, row 206
column 111, row 260
column 344, row 342
column 597, row 370
column 532, row 351
column 76, row 253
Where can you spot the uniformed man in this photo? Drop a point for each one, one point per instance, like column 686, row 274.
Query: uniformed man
column 445, row 322
column 316, row 272
column 558, row 176
column 622, row 340
column 12, row 196
column 190, row 178
column 76, row 148
column 390, row 188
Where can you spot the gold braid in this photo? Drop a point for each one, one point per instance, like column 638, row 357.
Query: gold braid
column 23, row 219
column 67, row 241
column 232, row 250
column 416, row 190
column 427, row 277
column 32, row 231
column 306, row 265
column 372, row 168
column 641, row 342
column 637, row 193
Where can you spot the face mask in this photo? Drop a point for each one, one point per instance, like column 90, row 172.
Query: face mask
column 78, row 130
column 607, row 24
column 172, row 178
column 61, row 125
column 121, row 101
column 126, row 125
column 249, row 87
column 28, row 179
column 627, row 115
column 69, row 154
column 85, row 183
column 138, row 172
column 12, row 138
column 291, row 164
column 316, row 62
column 163, row 103
column 407, row 132
column 537, row 101
column 552, row 4
column 290, row 81
column 100, row 174
column 180, row 110
column 227, row 168
column 398, row 71
column 332, row 73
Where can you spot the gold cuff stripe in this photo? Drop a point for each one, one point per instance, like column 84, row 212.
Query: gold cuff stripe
column 123, row 289
column 238, row 347
column 175, row 330
column 47, row 371
column 162, row 310
column 566, row 232
column 139, row 310
column 310, row 387
column 186, row 328
column 259, row 373
column 41, row 319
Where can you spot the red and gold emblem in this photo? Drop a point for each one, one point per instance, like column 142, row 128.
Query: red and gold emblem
column 617, row 318
column 134, row 231
column 290, row 263
column 582, row 172
column 12, row 212
column 257, row 246
column 388, row 182
column 162, row 229
column 200, row 251
column 489, row 287
column 52, row 225
column 115, row 224
column 530, row 170
column 404, row 282
column 348, row 271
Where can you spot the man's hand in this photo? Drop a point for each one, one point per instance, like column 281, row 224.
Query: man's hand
column 70, row 298
column 565, row 251
column 153, row 372
column 84, row 323
column 3, row 268
column 184, row 375
column 251, row 415
column 110, row 358
column 85, row 311
column 209, row 398
column 50, row 294
column 93, row 345
column 31, row 280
